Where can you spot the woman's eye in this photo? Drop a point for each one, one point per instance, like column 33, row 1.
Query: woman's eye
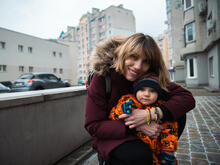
column 134, row 57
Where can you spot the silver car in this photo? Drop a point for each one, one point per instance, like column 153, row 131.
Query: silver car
column 37, row 81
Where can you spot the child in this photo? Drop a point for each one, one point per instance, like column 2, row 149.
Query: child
column 147, row 93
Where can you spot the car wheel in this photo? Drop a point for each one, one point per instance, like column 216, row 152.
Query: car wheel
column 39, row 88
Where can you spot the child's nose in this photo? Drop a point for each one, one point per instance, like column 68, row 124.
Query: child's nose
column 146, row 93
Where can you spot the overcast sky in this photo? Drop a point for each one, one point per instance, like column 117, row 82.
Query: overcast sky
column 47, row 18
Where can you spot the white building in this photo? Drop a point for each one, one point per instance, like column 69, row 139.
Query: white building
column 21, row 53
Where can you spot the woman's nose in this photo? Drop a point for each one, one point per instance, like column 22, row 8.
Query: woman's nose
column 138, row 64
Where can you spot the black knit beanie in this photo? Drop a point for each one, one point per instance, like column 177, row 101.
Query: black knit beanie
column 148, row 82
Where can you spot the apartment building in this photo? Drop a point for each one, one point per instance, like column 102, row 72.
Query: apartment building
column 175, row 40
column 97, row 26
column 21, row 53
column 201, row 50
column 162, row 42
column 200, row 39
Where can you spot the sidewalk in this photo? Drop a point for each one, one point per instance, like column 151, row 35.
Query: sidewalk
column 200, row 141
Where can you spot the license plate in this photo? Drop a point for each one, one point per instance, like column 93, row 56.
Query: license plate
column 19, row 84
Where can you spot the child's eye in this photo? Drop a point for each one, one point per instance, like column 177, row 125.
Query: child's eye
column 152, row 90
column 142, row 89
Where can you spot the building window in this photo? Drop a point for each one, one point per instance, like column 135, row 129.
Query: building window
column 92, row 21
column 21, row 68
column 54, row 70
column 190, row 32
column 30, row 49
column 102, row 34
column 211, row 66
column 92, row 29
column 171, row 63
column 101, row 19
column 101, row 27
column 61, row 71
column 2, row 45
column 60, row 55
column 31, row 68
column 3, row 68
column 54, row 54
column 188, row 4
column 20, row 48
column 192, row 67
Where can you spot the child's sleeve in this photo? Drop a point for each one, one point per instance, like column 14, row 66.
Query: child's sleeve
column 117, row 110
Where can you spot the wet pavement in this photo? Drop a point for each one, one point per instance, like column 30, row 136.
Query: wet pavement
column 199, row 143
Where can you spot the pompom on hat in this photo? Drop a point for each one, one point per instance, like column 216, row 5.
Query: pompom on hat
column 150, row 81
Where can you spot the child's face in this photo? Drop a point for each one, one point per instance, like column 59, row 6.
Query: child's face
column 147, row 95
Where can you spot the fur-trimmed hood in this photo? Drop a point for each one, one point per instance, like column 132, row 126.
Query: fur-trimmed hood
column 103, row 56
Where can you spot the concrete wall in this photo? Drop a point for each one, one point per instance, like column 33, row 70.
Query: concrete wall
column 214, row 81
column 179, row 74
column 202, row 64
column 40, row 127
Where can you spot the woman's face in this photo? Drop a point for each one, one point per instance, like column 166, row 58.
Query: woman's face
column 135, row 66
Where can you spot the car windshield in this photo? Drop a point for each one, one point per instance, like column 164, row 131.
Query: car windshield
column 26, row 76
column 2, row 86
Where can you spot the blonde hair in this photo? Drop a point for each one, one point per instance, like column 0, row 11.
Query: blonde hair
column 140, row 44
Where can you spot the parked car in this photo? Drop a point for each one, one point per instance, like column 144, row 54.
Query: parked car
column 4, row 89
column 38, row 81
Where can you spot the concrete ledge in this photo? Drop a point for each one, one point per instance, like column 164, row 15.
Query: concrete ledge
column 31, row 97
column 41, row 127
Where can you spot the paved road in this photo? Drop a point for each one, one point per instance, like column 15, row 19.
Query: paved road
column 200, row 141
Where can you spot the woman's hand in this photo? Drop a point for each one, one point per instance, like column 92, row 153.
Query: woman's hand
column 156, row 114
column 136, row 118
column 153, row 130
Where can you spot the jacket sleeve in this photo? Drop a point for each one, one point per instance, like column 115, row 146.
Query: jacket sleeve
column 97, row 122
column 179, row 102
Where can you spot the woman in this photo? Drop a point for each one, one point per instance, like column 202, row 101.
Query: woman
column 126, row 60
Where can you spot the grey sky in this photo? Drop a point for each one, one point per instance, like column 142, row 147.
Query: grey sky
column 47, row 18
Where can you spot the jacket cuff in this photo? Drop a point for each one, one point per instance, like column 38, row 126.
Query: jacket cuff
column 167, row 115
column 130, row 131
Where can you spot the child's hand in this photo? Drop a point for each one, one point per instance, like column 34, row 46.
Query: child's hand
column 156, row 114
column 153, row 130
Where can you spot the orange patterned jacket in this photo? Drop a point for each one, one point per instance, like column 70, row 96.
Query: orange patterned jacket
column 168, row 139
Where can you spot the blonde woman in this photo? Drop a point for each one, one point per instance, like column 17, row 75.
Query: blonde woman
column 126, row 59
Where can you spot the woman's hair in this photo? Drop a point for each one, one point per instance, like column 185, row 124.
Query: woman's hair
column 102, row 59
column 144, row 45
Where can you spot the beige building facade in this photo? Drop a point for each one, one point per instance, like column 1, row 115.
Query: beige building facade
column 21, row 53
column 199, row 43
column 175, row 39
column 162, row 41
column 97, row 26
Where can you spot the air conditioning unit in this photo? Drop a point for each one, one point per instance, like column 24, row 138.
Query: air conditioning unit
column 202, row 8
column 210, row 25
